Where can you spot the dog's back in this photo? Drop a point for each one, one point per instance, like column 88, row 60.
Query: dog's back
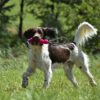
column 60, row 53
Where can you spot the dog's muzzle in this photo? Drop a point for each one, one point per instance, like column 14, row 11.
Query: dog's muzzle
column 37, row 36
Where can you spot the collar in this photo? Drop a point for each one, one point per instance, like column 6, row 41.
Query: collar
column 40, row 41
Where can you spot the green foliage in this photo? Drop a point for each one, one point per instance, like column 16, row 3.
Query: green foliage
column 4, row 17
column 64, row 15
column 53, row 13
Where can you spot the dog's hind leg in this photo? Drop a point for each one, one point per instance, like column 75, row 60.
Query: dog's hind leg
column 25, row 76
column 69, row 74
column 86, row 70
column 84, row 67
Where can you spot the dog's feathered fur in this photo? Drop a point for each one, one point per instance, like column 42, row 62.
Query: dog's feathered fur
column 46, row 55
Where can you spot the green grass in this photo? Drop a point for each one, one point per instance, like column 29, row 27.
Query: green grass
column 11, row 70
column 12, row 67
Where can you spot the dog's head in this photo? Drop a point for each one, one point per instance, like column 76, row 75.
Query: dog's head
column 40, row 32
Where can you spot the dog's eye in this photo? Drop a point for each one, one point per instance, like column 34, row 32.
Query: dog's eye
column 40, row 31
column 33, row 31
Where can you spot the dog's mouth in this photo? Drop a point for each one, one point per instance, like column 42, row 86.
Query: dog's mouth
column 37, row 41
column 34, row 40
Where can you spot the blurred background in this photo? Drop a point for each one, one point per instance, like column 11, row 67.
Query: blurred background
column 16, row 16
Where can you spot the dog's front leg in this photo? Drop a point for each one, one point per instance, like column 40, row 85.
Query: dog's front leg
column 25, row 76
column 47, row 76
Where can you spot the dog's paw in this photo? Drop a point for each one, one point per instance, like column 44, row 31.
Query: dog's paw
column 25, row 82
column 93, row 83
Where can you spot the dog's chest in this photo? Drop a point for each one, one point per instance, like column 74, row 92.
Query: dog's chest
column 35, row 53
column 39, row 55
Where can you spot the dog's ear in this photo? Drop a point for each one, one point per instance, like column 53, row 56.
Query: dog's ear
column 50, row 32
column 29, row 33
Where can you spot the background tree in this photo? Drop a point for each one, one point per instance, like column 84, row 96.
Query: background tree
column 21, row 18
column 4, row 17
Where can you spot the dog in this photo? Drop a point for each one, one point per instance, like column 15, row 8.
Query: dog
column 44, row 55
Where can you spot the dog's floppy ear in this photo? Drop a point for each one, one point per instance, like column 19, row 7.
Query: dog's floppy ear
column 29, row 33
column 50, row 32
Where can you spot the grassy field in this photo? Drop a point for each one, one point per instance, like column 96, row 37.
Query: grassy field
column 14, row 62
column 11, row 69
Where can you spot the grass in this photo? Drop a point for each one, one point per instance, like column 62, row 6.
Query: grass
column 11, row 69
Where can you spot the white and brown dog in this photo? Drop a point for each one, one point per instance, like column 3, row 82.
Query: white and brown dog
column 44, row 55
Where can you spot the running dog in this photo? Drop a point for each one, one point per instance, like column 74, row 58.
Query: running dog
column 44, row 55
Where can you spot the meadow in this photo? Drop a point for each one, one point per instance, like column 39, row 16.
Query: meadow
column 12, row 68
column 13, row 62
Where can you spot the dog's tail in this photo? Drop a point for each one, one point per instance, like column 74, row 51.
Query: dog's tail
column 83, row 33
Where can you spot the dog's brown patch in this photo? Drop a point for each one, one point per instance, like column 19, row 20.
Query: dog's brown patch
column 58, row 53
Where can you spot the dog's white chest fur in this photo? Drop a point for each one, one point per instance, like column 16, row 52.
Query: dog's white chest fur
column 39, row 55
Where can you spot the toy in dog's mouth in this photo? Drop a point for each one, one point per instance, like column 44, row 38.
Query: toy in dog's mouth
column 36, row 40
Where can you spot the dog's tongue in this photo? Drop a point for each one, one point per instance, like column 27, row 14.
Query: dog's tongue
column 40, row 41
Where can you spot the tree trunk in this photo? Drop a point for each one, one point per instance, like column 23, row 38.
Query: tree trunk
column 21, row 19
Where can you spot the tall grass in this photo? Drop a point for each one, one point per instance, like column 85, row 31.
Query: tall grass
column 11, row 69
